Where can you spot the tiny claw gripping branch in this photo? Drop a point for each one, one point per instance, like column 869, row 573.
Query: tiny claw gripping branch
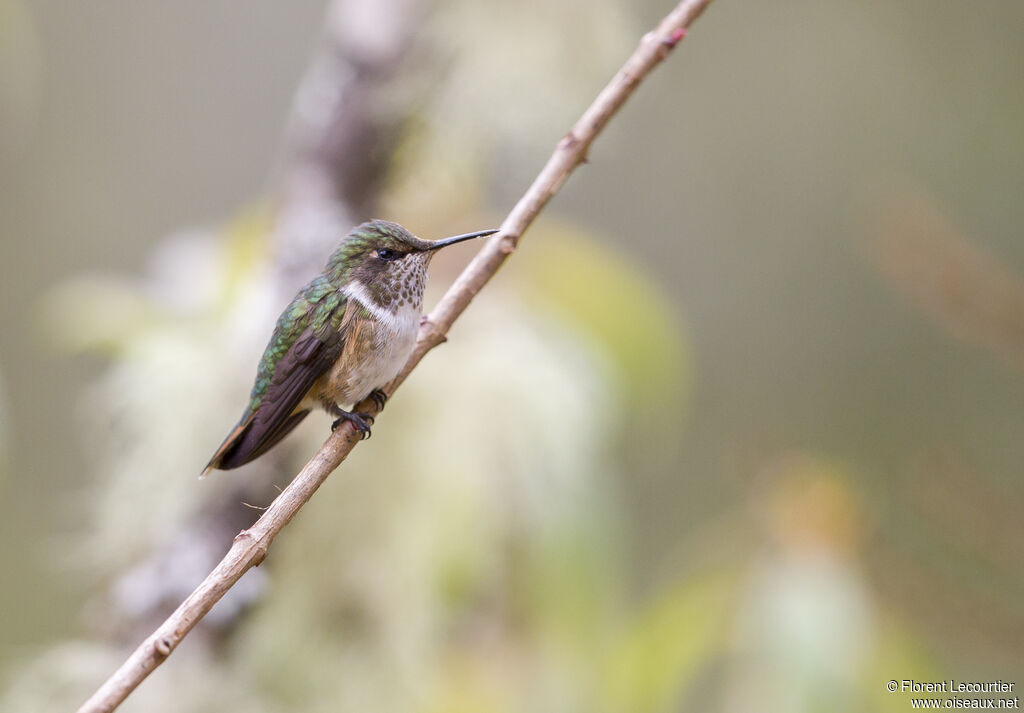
column 379, row 398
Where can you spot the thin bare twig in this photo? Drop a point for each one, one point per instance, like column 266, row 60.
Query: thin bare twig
column 250, row 546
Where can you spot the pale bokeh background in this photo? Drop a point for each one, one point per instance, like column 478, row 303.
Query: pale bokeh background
column 823, row 203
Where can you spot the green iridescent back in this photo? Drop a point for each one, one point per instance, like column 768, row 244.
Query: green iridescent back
column 319, row 306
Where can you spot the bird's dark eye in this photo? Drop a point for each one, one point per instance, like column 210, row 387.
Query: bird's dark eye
column 385, row 254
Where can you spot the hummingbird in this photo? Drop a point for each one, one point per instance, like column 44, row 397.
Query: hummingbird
column 345, row 335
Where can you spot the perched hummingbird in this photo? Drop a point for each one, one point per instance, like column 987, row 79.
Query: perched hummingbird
column 344, row 335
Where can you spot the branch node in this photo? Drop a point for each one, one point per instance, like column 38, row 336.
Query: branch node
column 674, row 39
column 258, row 548
column 259, row 555
column 430, row 333
column 508, row 244
column 162, row 647
column 568, row 141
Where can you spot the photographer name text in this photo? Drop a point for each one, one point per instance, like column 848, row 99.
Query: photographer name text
column 954, row 686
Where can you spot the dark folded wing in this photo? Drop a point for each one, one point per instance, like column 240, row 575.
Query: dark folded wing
column 309, row 358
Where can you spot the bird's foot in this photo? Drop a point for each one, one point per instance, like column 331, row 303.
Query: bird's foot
column 379, row 398
column 361, row 420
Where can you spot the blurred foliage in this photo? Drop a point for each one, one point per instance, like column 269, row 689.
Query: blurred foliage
column 932, row 264
column 659, row 656
column 704, row 444
column 624, row 310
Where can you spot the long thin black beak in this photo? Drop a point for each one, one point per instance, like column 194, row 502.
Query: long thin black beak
column 445, row 242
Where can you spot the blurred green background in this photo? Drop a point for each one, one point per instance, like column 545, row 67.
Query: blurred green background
column 738, row 428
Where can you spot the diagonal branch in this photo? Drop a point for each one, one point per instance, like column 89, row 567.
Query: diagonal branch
column 250, row 546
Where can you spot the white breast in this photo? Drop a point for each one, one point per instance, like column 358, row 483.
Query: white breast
column 395, row 336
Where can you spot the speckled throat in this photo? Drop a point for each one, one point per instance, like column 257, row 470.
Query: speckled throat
column 398, row 286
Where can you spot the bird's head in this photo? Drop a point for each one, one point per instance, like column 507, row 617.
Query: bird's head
column 387, row 263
